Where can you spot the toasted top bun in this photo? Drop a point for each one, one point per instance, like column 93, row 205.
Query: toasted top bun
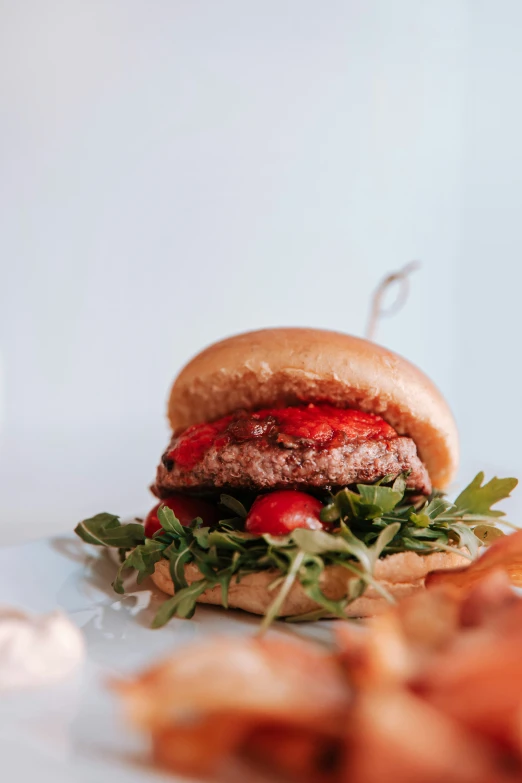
column 275, row 367
column 400, row 574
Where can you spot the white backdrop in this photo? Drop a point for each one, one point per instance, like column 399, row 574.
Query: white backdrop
column 174, row 172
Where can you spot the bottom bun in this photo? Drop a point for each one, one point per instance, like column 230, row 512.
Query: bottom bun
column 400, row 574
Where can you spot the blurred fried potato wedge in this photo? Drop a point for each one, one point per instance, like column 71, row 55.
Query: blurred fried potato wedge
column 275, row 678
column 398, row 738
column 429, row 691
column 198, row 747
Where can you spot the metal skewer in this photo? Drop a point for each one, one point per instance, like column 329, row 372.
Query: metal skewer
column 378, row 311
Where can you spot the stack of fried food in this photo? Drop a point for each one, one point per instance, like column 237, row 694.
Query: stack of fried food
column 428, row 691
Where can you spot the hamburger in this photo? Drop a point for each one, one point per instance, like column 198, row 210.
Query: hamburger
column 304, row 479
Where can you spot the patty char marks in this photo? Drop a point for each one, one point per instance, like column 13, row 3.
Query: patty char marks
column 314, row 445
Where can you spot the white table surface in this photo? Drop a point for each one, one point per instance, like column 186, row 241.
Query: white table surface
column 75, row 731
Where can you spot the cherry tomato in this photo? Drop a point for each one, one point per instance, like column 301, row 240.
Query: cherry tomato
column 185, row 508
column 278, row 513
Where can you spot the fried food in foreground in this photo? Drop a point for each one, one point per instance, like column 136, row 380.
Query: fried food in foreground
column 429, row 691
column 505, row 554
column 273, row 678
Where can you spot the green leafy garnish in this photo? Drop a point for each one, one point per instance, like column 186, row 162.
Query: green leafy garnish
column 141, row 559
column 488, row 533
column 182, row 604
column 106, row 530
column 366, row 522
column 476, row 500
column 234, row 505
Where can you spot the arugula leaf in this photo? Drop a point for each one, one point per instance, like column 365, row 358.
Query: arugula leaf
column 437, row 507
column 223, row 580
column 182, row 604
column 331, row 512
column 348, row 504
column 220, row 579
column 229, row 539
column 384, row 498
column 435, row 510
column 201, row 536
column 318, row 542
column 169, row 521
column 466, row 537
column 421, row 520
column 384, row 538
column 142, row 559
column 310, row 580
column 399, row 485
column 275, row 607
column 178, row 554
column 430, row 533
column 478, row 499
column 106, row 530
column 488, row 533
column 355, row 506
column 234, row 505
column 356, row 547
column 364, row 578
column 412, row 543
column 371, row 501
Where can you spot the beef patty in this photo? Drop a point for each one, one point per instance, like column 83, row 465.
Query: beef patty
column 304, row 446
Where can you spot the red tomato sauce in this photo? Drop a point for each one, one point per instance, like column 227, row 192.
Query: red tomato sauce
column 319, row 426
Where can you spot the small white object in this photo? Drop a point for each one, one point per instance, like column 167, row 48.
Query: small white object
column 37, row 649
